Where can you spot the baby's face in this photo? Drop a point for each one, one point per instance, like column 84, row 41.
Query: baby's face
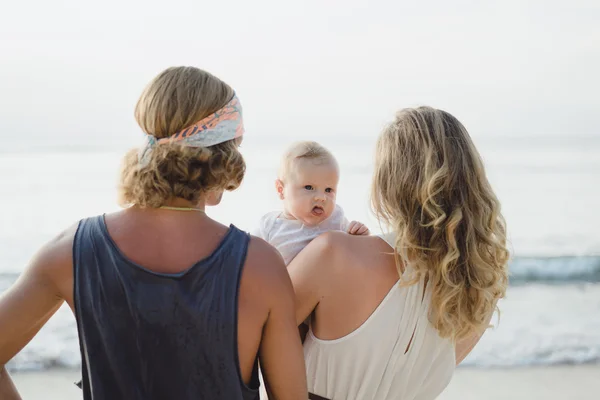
column 309, row 192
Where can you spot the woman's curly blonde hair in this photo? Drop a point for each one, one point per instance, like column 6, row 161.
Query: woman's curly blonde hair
column 177, row 98
column 430, row 187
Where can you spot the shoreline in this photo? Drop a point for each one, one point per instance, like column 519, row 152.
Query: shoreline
column 552, row 382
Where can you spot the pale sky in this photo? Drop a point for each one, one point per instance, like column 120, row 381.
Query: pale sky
column 71, row 71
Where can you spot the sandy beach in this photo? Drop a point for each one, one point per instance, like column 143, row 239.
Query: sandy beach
column 565, row 382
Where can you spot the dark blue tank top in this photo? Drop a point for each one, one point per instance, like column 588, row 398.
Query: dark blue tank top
column 147, row 335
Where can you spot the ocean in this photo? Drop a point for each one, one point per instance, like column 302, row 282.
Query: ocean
column 548, row 186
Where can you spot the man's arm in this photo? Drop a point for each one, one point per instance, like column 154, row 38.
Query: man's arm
column 30, row 302
column 8, row 391
column 281, row 357
column 308, row 274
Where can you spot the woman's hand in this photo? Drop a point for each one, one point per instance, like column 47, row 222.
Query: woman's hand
column 358, row 228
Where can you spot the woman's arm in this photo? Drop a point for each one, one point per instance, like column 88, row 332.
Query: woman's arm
column 464, row 346
column 31, row 301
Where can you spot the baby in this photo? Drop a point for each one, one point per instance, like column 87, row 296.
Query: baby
column 307, row 184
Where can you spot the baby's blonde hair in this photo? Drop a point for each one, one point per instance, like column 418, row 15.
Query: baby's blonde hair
column 307, row 150
column 430, row 187
column 177, row 98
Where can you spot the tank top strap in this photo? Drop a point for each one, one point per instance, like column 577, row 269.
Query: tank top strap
column 92, row 236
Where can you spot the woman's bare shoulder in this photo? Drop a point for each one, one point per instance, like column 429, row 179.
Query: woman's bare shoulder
column 339, row 249
column 343, row 242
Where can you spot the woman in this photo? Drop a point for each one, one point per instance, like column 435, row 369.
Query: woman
column 168, row 302
column 393, row 315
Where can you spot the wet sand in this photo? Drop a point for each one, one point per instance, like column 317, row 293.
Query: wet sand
column 564, row 382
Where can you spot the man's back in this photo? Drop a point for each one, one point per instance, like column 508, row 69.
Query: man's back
column 157, row 244
column 153, row 335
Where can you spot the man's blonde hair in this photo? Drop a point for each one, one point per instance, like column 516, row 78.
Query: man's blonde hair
column 303, row 151
column 430, row 187
column 177, row 98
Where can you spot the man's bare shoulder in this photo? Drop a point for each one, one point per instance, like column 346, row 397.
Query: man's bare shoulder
column 52, row 265
column 57, row 254
column 264, row 264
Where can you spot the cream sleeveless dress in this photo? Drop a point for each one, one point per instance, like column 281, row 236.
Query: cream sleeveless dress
column 373, row 363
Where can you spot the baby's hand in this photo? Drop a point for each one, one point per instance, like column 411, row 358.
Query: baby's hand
column 358, row 228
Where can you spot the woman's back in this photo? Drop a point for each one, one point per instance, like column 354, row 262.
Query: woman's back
column 371, row 338
column 448, row 250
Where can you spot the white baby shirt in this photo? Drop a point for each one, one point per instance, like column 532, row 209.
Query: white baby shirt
column 290, row 236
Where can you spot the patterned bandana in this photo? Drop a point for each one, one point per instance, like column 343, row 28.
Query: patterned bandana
column 225, row 124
